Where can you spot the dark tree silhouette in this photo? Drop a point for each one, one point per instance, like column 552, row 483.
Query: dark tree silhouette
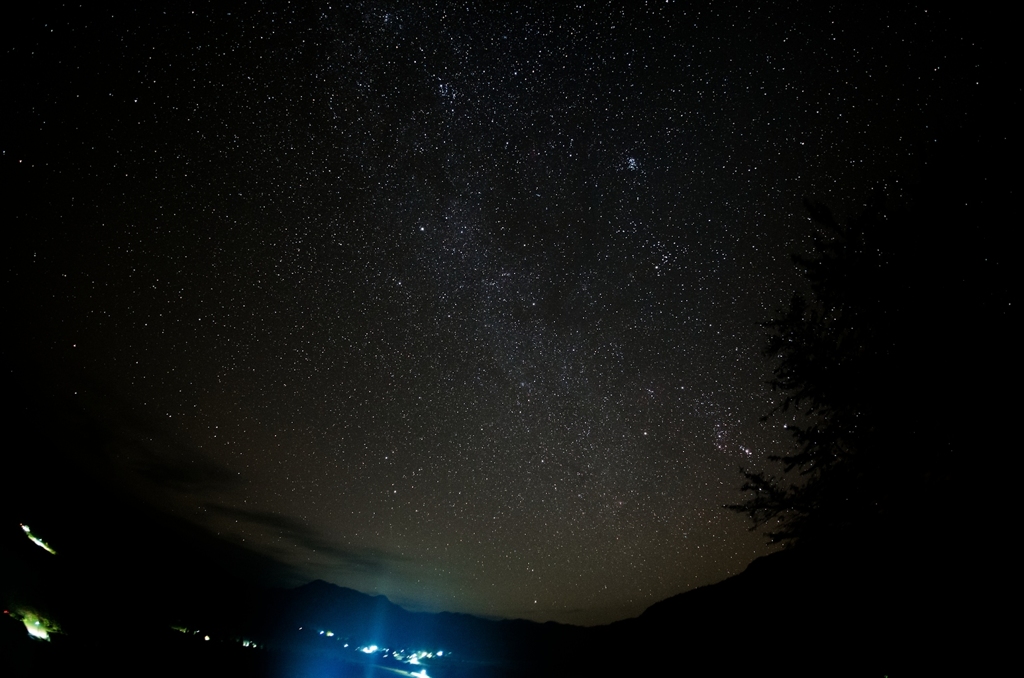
column 831, row 355
column 884, row 366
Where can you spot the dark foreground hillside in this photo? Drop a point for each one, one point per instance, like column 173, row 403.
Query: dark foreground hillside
column 796, row 612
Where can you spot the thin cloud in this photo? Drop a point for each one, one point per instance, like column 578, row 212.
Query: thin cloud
column 298, row 533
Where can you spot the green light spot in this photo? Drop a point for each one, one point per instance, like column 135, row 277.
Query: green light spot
column 36, row 540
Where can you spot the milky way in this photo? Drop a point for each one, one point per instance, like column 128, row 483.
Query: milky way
column 455, row 304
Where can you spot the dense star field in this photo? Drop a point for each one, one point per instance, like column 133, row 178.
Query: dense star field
column 451, row 303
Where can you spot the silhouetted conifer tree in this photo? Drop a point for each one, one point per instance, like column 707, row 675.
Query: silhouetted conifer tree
column 885, row 368
column 831, row 356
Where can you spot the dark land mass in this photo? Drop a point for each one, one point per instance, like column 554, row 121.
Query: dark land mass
column 807, row 612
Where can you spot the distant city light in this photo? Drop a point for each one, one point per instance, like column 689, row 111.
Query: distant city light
column 36, row 625
column 36, row 540
column 36, row 631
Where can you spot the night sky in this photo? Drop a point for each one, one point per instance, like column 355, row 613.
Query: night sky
column 453, row 303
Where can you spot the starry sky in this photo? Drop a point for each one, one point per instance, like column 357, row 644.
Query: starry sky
column 454, row 302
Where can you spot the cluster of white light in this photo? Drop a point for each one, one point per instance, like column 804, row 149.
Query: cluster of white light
column 413, row 658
